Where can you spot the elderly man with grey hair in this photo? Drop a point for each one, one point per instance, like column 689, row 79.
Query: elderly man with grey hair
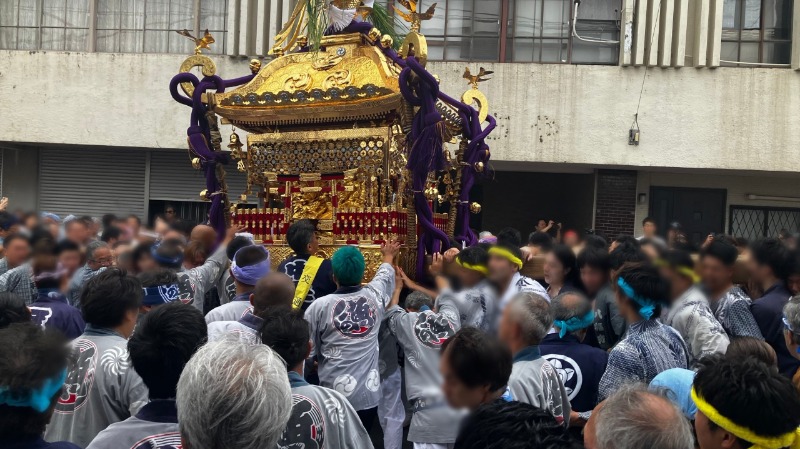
column 791, row 332
column 579, row 365
column 635, row 418
column 233, row 395
column 524, row 324
column 98, row 258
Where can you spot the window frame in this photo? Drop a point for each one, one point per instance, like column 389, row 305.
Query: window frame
column 40, row 26
column 507, row 40
column 92, row 27
column 764, row 210
column 738, row 23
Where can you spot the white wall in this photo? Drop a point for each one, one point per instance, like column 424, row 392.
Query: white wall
column 737, row 185
column 726, row 118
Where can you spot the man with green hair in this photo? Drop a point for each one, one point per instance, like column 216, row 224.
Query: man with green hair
column 344, row 329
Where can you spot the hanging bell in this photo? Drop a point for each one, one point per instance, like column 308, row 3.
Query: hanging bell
column 196, row 163
column 204, row 195
column 479, row 167
column 475, row 208
column 235, row 146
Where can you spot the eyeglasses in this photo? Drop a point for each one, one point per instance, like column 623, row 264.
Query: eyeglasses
column 104, row 261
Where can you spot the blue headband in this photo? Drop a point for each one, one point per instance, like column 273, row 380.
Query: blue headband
column 648, row 306
column 51, row 216
column 250, row 274
column 177, row 260
column 160, row 294
column 574, row 324
column 38, row 399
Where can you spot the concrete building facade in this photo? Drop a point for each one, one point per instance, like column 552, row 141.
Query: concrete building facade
column 711, row 85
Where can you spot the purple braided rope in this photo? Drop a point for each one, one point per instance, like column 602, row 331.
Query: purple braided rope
column 199, row 134
column 476, row 151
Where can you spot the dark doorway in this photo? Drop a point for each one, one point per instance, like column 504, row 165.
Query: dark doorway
column 699, row 211
column 520, row 199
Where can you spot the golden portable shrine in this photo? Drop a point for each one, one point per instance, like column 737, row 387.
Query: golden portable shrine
column 341, row 129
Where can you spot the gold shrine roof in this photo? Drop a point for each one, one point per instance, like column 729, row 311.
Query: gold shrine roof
column 346, row 80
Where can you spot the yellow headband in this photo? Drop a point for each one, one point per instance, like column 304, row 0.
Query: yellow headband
column 790, row 439
column 479, row 268
column 686, row 271
column 506, row 254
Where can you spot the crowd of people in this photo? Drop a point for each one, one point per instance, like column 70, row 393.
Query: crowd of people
column 117, row 336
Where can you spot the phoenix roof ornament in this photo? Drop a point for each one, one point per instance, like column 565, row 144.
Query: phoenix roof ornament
column 413, row 16
column 200, row 43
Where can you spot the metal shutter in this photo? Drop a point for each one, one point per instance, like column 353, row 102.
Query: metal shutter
column 92, row 182
column 173, row 178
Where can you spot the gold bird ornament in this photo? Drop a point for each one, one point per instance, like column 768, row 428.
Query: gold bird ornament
column 412, row 16
column 479, row 78
column 200, row 43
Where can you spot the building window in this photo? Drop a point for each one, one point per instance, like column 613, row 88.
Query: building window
column 463, row 30
column 44, row 25
column 523, row 31
column 757, row 31
column 754, row 223
column 541, row 31
column 148, row 26
column 126, row 26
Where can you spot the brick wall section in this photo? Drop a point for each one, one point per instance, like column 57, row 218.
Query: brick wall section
column 616, row 202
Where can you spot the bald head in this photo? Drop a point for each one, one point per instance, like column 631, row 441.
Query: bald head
column 569, row 305
column 204, row 234
column 275, row 290
column 633, row 418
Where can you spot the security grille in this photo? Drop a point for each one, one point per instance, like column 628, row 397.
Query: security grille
column 756, row 222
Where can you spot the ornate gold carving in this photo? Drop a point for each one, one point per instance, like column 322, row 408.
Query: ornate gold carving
column 298, row 81
column 290, row 33
column 201, row 42
column 415, row 45
column 255, row 65
column 372, row 92
column 346, row 4
column 374, row 34
column 314, row 152
column 340, row 79
column 207, row 68
column 324, row 61
column 312, row 205
column 387, row 41
column 474, row 95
